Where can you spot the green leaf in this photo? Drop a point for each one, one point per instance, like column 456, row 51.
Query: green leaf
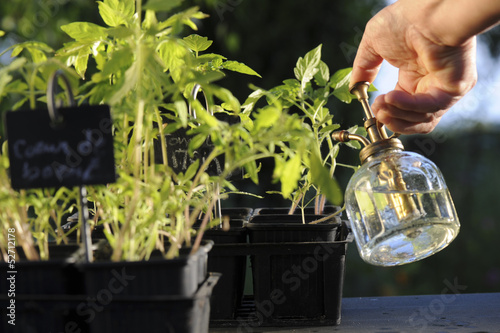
column 290, row 175
column 81, row 63
column 129, row 82
column 84, row 30
column 182, row 112
column 162, row 5
column 204, row 116
column 118, row 62
column 4, row 81
column 173, row 54
column 186, row 17
column 120, row 32
column 227, row 97
column 215, row 60
column 323, row 74
column 328, row 186
column 192, row 169
column 307, row 67
column 37, row 50
column 252, row 171
column 252, row 99
column 116, row 12
column 2, row 33
column 267, row 117
column 355, row 130
column 340, row 84
column 196, row 142
column 108, row 15
column 20, row 103
column 197, row 43
column 329, row 128
column 6, row 78
column 239, row 67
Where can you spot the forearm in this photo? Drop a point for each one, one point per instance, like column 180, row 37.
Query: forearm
column 452, row 22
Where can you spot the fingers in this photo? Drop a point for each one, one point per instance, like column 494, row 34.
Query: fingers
column 409, row 114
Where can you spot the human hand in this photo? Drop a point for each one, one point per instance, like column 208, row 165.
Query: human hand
column 432, row 75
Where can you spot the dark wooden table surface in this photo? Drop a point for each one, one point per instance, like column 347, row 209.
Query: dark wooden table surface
column 453, row 313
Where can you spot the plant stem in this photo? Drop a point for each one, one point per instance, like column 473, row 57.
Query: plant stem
column 326, row 218
column 203, row 225
column 163, row 141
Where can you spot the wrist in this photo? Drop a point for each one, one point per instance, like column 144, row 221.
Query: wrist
column 451, row 22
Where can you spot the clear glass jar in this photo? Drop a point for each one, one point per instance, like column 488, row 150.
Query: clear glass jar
column 399, row 208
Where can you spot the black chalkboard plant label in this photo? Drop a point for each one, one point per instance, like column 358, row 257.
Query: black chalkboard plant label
column 180, row 158
column 77, row 152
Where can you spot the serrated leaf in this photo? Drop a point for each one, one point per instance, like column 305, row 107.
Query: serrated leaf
column 329, row 128
column 328, row 186
column 116, row 12
column 84, row 30
column 226, row 96
column 120, row 32
column 81, row 63
column 173, row 54
column 341, row 78
column 360, row 130
column 197, row 43
column 162, row 5
column 340, row 84
column 239, row 67
column 72, row 48
column 293, row 83
column 306, row 67
column 267, row 117
column 207, row 57
column 37, row 50
column 291, row 174
column 186, row 17
column 355, row 130
column 323, row 74
column 252, row 99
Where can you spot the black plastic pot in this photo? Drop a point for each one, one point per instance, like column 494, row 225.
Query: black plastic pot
column 155, row 295
column 161, row 313
column 29, row 285
column 180, row 276
column 109, row 312
column 55, row 276
column 298, row 270
column 225, row 259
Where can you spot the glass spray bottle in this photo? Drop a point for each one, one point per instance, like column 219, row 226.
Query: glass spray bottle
column 397, row 202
